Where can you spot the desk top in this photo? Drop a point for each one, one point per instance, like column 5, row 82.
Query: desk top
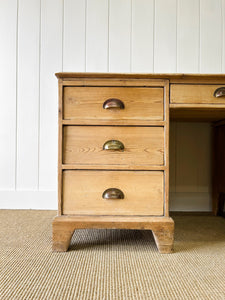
column 175, row 77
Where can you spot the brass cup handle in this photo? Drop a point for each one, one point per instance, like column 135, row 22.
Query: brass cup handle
column 113, row 194
column 113, row 145
column 220, row 92
column 113, row 103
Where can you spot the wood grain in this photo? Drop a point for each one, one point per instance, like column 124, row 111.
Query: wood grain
column 143, row 192
column 182, row 76
column 166, row 138
column 197, row 94
column 112, row 82
column 64, row 226
column 118, row 167
column 83, row 146
column 118, row 122
column 60, row 138
column 87, row 104
column 140, row 171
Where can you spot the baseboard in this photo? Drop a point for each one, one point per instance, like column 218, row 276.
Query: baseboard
column 44, row 200
column 191, row 213
column 191, row 201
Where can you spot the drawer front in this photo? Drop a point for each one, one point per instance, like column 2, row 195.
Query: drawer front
column 113, row 147
column 197, row 94
column 130, row 105
column 142, row 191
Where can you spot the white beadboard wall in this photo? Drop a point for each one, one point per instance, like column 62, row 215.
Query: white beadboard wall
column 41, row 37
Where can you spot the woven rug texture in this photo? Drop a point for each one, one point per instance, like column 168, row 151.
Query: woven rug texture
column 110, row 264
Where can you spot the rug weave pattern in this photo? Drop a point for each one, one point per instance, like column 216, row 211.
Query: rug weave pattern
column 110, row 264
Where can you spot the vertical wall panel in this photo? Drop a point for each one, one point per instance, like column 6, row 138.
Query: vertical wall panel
column 210, row 36
column 28, row 94
column 142, row 36
column 8, row 20
column 165, row 36
column 188, row 36
column 119, row 35
column 74, row 36
column 51, row 62
column 97, row 36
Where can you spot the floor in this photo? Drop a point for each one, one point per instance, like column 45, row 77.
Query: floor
column 110, row 264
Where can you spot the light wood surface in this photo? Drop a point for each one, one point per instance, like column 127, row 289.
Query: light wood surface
column 197, row 94
column 145, row 138
column 145, row 104
column 143, row 192
column 113, row 82
column 63, row 228
column 60, row 137
column 196, row 77
column 118, row 167
column 166, row 138
column 179, row 78
column 109, row 122
column 143, row 146
column 143, row 128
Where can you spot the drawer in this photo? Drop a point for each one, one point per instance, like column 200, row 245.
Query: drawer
column 125, row 105
column 113, row 147
column 90, row 192
column 197, row 94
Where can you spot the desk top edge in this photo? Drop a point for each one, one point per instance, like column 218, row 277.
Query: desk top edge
column 66, row 75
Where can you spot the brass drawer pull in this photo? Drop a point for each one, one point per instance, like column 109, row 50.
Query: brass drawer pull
column 113, row 145
column 220, row 92
column 113, row 103
column 113, row 193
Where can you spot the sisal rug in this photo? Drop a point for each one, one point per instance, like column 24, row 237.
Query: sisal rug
column 110, row 264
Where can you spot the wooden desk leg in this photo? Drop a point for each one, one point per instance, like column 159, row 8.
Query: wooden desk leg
column 61, row 236
column 164, row 240
column 64, row 226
